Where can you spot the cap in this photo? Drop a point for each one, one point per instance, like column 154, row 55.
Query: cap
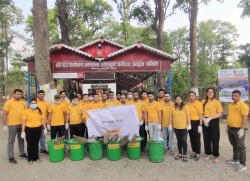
column 57, row 96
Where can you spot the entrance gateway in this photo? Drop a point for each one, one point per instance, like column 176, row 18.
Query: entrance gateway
column 103, row 65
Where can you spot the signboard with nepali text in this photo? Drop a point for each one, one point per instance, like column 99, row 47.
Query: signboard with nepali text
column 111, row 66
column 122, row 120
column 230, row 80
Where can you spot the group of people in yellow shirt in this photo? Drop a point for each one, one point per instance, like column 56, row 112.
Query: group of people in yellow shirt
column 161, row 117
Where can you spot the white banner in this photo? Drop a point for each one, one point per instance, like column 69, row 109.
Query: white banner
column 120, row 119
column 230, row 80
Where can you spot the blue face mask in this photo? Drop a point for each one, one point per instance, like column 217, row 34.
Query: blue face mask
column 33, row 106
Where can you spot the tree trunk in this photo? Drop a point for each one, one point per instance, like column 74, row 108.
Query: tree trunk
column 193, row 45
column 42, row 45
column 63, row 22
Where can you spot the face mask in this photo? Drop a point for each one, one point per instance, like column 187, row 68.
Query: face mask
column 63, row 99
column 129, row 96
column 74, row 103
column 33, row 106
column 57, row 102
column 90, row 98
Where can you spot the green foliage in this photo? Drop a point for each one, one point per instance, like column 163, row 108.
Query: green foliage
column 245, row 5
column 244, row 55
column 181, row 79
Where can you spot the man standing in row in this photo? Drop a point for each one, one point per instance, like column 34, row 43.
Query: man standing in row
column 12, row 124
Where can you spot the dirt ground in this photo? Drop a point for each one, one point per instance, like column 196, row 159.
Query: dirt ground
column 123, row 169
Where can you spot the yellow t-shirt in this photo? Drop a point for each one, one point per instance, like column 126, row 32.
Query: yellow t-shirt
column 96, row 105
column 195, row 109
column 145, row 100
column 75, row 113
column 152, row 111
column 85, row 107
column 212, row 107
column 66, row 103
column 166, row 109
column 112, row 103
column 129, row 101
column 43, row 105
column 57, row 114
column 161, row 101
column 33, row 118
column 15, row 110
column 179, row 117
column 139, row 106
column 235, row 113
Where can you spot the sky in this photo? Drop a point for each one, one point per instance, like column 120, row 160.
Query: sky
column 227, row 11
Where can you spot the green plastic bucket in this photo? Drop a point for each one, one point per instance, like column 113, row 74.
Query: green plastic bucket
column 56, row 151
column 76, row 150
column 114, row 151
column 156, row 151
column 96, row 150
column 134, row 150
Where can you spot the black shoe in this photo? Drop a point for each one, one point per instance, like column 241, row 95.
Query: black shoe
column 12, row 161
column 44, row 152
column 23, row 156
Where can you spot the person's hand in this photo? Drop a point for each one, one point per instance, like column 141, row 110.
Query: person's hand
column 146, row 127
column 5, row 129
column 141, row 122
column 45, row 131
column 189, row 127
column 67, row 126
column 200, row 129
column 48, row 127
column 240, row 133
column 206, row 121
column 23, row 135
column 170, row 128
column 159, row 127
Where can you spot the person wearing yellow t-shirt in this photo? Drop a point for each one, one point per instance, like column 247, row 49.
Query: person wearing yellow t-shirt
column 161, row 96
column 123, row 100
column 79, row 95
column 196, row 111
column 32, row 123
column 111, row 102
column 168, row 134
column 104, row 97
column 85, row 106
column 74, row 118
column 65, row 102
column 12, row 124
column 139, row 106
column 43, row 106
column 153, row 116
column 129, row 97
column 118, row 96
column 236, row 125
column 144, row 96
column 57, row 117
column 180, row 121
column 96, row 104
column 212, row 110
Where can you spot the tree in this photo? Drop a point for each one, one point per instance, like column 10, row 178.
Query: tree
column 244, row 55
column 41, row 41
column 125, row 10
column 10, row 15
column 245, row 5
column 62, row 14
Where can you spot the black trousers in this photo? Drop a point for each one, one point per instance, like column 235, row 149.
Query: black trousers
column 143, row 135
column 57, row 129
column 85, row 131
column 181, row 136
column 239, row 149
column 76, row 129
column 195, row 137
column 211, row 137
column 32, row 137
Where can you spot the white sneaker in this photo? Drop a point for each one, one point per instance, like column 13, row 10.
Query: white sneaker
column 232, row 161
column 240, row 168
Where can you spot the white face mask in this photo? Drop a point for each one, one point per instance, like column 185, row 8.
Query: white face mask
column 75, row 103
column 129, row 96
column 33, row 106
column 57, row 102
column 90, row 98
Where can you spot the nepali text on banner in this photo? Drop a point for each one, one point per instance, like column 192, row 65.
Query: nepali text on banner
column 121, row 119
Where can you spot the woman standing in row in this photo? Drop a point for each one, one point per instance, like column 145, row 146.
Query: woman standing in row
column 211, row 130
column 32, row 122
column 180, row 120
